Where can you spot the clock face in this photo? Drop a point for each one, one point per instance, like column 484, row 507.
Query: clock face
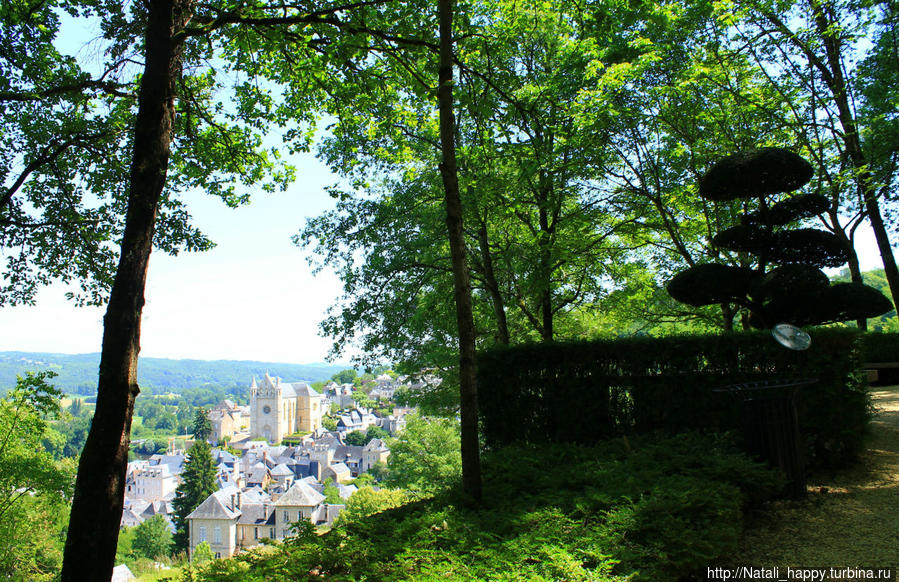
column 266, row 409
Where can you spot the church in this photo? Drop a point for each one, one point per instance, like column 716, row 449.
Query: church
column 278, row 409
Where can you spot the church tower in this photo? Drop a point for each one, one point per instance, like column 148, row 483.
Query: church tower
column 265, row 410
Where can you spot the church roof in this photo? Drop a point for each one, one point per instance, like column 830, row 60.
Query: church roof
column 303, row 389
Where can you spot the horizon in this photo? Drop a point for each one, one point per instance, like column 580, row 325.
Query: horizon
column 323, row 363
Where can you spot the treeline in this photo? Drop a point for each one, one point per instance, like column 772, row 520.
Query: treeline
column 77, row 373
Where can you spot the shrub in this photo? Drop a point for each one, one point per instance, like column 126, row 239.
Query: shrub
column 661, row 510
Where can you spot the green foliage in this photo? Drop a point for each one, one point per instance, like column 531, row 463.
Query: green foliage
column 202, row 554
column 424, row 457
column 125, row 546
column 366, row 502
column 35, row 489
column 360, row 438
column 331, row 492
column 888, row 322
column 198, row 483
column 152, row 538
column 582, row 391
column 805, row 297
column 329, row 422
column 202, row 427
column 345, row 376
column 660, row 511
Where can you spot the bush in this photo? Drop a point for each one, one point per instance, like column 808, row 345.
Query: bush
column 661, row 510
column 585, row 391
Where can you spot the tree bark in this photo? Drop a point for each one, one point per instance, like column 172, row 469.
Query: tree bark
column 100, row 486
column 492, row 285
column 855, row 272
column 468, row 391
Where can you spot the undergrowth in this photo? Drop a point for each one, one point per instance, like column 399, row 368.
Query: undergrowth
column 659, row 510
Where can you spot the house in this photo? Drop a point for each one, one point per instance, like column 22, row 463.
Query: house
column 215, row 522
column 227, row 420
column 356, row 419
column 256, row 522
column 152, row 482
column 339, row 472
column 299, row 503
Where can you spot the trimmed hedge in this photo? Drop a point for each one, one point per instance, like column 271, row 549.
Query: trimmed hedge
column 582, row 392
column 880, row 347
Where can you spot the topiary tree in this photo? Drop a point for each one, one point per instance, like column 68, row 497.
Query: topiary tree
column 779, row 277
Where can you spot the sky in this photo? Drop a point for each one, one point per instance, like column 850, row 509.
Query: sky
column 253, row 297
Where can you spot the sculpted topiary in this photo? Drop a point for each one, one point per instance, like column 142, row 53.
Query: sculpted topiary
column 783, row 281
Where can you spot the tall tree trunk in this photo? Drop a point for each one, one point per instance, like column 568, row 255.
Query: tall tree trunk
column 546, row 292
column 855, row 272
column 496, row 298
column 468, row 389
column 100, row 487
column 727, row 316
column 832, row 71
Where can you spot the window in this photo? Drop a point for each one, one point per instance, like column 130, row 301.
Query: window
column 286, row 515
column 202, row 533
column 271, row 533
column 217, row 535
column 255, row 533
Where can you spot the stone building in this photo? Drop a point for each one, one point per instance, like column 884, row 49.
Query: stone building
column 278, row 409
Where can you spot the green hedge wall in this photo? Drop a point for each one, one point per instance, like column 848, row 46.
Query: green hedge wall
column 880, row 347
column 585, row 391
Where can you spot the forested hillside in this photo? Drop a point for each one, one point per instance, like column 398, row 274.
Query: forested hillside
column 77, row 373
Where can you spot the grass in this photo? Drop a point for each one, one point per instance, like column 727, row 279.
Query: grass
column 848, row 519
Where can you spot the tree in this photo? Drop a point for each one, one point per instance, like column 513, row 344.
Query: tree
column 468, row 389
column 202, row 427
column 345, row 376
column 34, row 488
column 202, row 554
column 795, row 291
column 153, row 538
column 331, row 492
column 231, row 151
column 812, row 51
column 425, row 457
column 198, row 482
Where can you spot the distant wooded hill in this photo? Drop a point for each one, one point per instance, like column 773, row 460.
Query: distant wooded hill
column 78, row 373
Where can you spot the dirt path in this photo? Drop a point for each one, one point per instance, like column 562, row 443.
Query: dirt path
column 849, row 520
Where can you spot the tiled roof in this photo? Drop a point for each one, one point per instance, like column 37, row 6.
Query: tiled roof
column 302, row 495
column 257, row 514
column 213, row 508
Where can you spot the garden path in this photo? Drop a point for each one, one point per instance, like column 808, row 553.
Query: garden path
column 850, row 519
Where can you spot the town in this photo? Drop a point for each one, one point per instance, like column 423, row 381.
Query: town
column 276, row 466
